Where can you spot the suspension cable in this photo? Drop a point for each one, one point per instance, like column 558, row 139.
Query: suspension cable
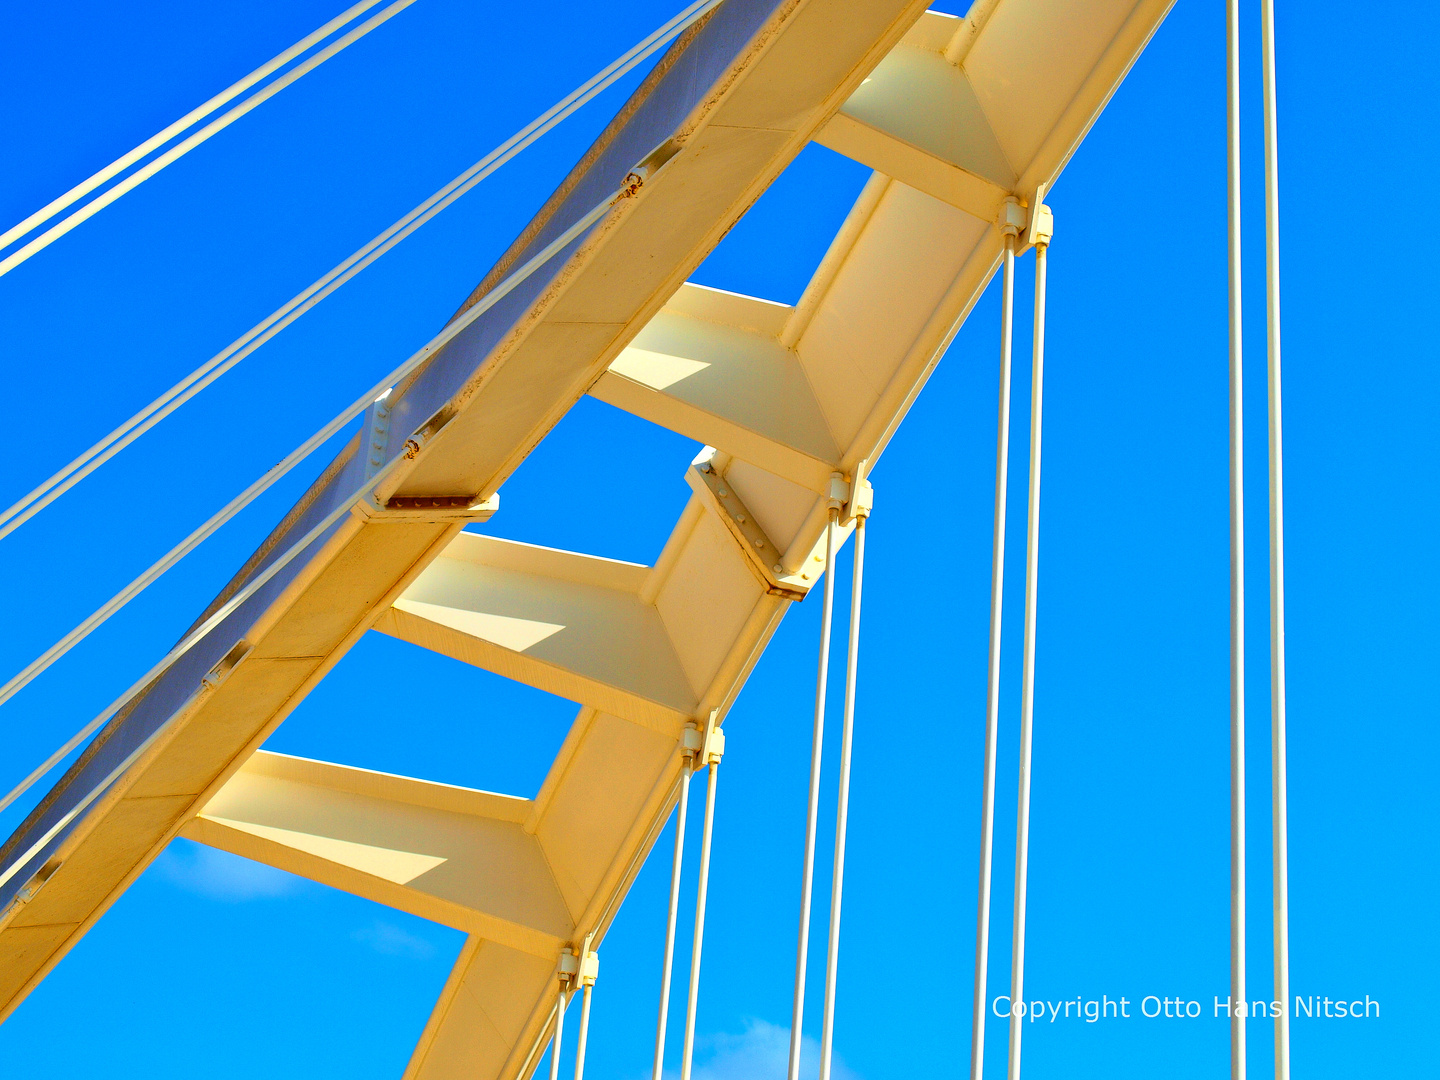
column 559, row 1033
column 178, row 151
column 1238, row 1008
column 587, row 983
column 842, row 812
column 359, row 405
column 120, row 164
column 1040, row 231
column 1010, row 230
column 87, row 462
column 1279, row 810
column 711, row 757
column 675, row 870
column 797, row 1017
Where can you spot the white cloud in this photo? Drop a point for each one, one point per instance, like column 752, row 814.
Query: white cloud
column 760, row 1052
column 219, row 875
column 390, row 940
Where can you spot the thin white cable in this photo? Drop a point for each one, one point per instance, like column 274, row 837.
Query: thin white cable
column 687, row 1058
column 812, row 814
column 537, row 1047
column 583, row 1036
column 1239, row 1009
column 179, row 150
column 555, row 1043
column 992, row 692
column 320, row 437
column 842, row 811
column 185, row 646
column 669, row 966
column 194, row 116
column 82, row 466
column 1278, row 781
column 1027, row 677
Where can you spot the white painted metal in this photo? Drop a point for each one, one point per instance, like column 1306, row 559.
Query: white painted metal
column 86, row 463
column 1027, row 683
column 842, row 809
column 674, row 911
column 812, row 809
column 462, row 858
column 194, row 116
column 693, row 1000
column 224, row 120
column 1278, row 801
column 1239, row 1009
column 558, row 1039
column 992, row 681
column 584, row 1034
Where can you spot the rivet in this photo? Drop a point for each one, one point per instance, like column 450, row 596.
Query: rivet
column 778, row 568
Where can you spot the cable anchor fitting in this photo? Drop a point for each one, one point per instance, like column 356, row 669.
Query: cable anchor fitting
column 1011, row 219
column 579, row 966
column 1042, row 222
column 860, row 498
column 703, row 746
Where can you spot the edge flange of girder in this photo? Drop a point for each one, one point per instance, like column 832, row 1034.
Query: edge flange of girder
column 428, row 508
column 763, row 557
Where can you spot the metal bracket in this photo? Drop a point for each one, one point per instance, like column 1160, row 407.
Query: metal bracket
column 432, row 508
column 578, row 967
column 704, row 746
column 377, row 434
column 426, row 508
column 1042, row 221
column 29, row 889
column 225, row 665
column 761, row 553
column 1011, row 220
column 859, row 498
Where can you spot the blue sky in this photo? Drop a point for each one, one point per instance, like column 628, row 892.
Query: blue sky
column 213, row 967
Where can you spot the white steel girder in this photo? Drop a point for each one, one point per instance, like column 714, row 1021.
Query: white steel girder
column 954, row 114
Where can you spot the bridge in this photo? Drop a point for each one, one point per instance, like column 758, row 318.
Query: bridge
column 966, row 123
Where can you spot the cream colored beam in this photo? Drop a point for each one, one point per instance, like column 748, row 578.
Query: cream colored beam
column 703, row 611
column 645, row 644
column 607, row 796
column 731, row 104
column 971, row 110
column 917, row 118
column 568, row 624
column 454, row 855
column 1043, row 70
column 710, row 366
column 784, row 394
column 484, row 1013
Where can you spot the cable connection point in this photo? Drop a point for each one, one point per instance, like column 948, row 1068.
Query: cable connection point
column 1042, row 221
column 1011, row 218
column 861, row 499
column 704, row 746
column 578, row 965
